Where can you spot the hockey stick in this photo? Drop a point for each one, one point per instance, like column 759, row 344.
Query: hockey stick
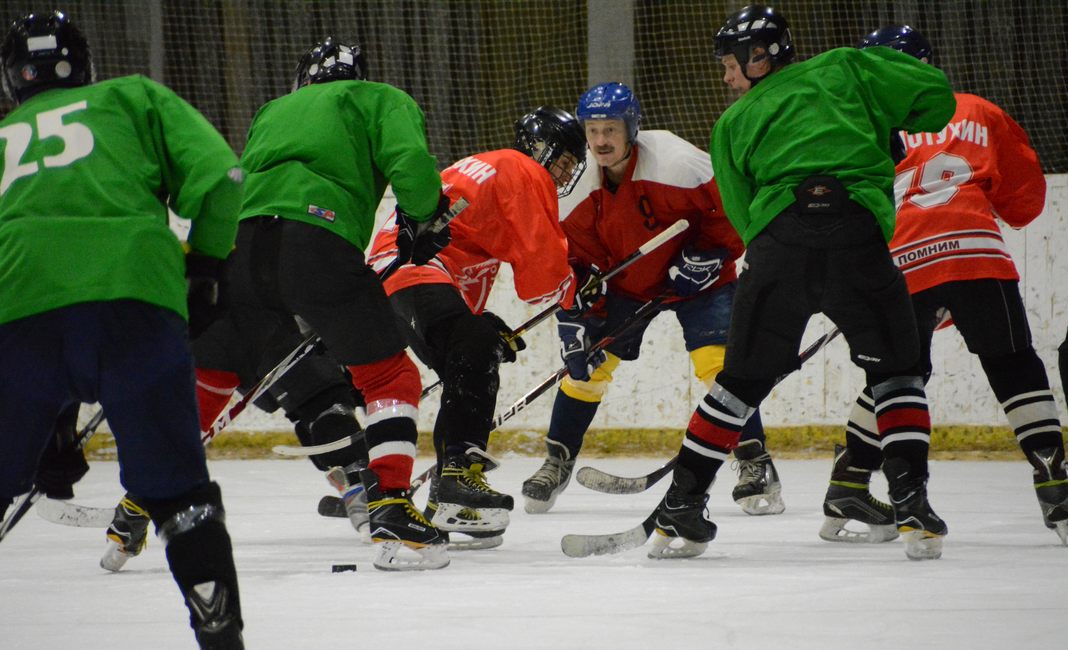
column 600, row 481
column 23, row 505
column 328, row 507
column 649, row 246
column 644, row 249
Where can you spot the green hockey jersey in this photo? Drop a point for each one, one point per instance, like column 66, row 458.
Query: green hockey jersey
column 830, row 115
column 86, row 176
column 324, row 154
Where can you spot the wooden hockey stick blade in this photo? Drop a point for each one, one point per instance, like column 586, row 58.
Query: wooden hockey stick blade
column 66, row 513
column 587, row 545
column 595, row 479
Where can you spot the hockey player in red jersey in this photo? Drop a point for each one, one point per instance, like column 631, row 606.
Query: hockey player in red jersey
column 512, row 218
column 951, row 190
column 643, row 183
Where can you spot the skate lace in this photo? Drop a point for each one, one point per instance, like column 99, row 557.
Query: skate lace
column 406, row 503
column 549, row 472
column 473, row 476
column 752, row 470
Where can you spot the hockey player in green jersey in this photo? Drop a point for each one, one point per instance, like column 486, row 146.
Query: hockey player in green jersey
column 804, row 168
column 318, row 161
column 95, row 289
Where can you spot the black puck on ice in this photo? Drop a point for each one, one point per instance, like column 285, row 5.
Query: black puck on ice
column 341, row 568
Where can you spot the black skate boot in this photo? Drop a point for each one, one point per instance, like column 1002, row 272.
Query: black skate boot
column 758, row 491
column 682, row 526
column 214, row 624
column 920, row 527
column 346, row 480
column 542, row 488
column 1051, row 488
column 848, row 499
column 396, row 525
column 127, row 534
column 475, row 537
column 462, row 485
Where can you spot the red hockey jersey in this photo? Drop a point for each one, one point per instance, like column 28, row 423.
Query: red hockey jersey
column 667, row 179
column 513, row 217
column 951, row 189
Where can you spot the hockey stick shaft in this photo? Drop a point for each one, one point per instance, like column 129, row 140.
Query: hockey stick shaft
column 306, row 346
column 23, row 506
column 600, row 481
column 643, row 250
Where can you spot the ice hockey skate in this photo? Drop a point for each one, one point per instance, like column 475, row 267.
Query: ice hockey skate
column 463, row 540
column 462, row 486
column 682, row 525
column 127, row 534
column 1051, row 488
column 848, row 500
column 403, row 538
column 542, row 488
column 919, row 526
column 758, row 491
column 214, row 620
column 354, row 497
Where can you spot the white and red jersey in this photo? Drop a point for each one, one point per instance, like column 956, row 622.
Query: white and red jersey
column 512, row 217
column 667, row 179
column 951, row 189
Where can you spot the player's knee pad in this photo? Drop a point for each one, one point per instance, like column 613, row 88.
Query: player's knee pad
column 594, row 389
column 707, row 362
column 200, row 506
column 325, row 418
column 394, row 378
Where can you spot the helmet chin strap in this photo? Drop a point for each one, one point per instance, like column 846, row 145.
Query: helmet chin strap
column 743, row 52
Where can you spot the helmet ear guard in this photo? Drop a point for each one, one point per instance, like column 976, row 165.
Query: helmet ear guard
column 43, row 51
column 330, row 60
column 553, row 137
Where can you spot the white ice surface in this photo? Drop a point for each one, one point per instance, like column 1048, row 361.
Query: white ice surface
column 765, row 582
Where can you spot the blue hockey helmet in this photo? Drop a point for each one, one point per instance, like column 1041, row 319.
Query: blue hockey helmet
column 44, row 51
column 755, row 26
column 546, row 134
column 330, row 61
column 611, row 101
column 901, row 38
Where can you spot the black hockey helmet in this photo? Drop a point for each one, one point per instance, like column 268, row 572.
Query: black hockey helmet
column 546, row 134
column 755, row 26
column 330, row 61
column 901, row 38
column 44, row 51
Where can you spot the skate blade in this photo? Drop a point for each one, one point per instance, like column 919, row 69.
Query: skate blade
column 114, row 557
column 834, row 530
column 393, row 555
column 535, row 507
column 1061, row 528
column 672, row 548
column 920, row 544
column 448, row 518
column 770, row 503
column 474, row 543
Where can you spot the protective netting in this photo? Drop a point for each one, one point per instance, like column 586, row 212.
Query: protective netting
column 476, row 65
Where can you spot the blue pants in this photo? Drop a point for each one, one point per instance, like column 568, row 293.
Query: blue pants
column 131, row 357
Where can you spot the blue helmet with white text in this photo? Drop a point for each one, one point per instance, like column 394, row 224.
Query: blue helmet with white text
column 611, row 101
column 901, row 38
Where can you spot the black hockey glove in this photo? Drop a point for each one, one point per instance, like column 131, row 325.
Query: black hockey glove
column 591, row 288
column 63, row 463
column 574, row 350
column 694, row 271
column 509, row 346
column 419, row 241
column 206, row 297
